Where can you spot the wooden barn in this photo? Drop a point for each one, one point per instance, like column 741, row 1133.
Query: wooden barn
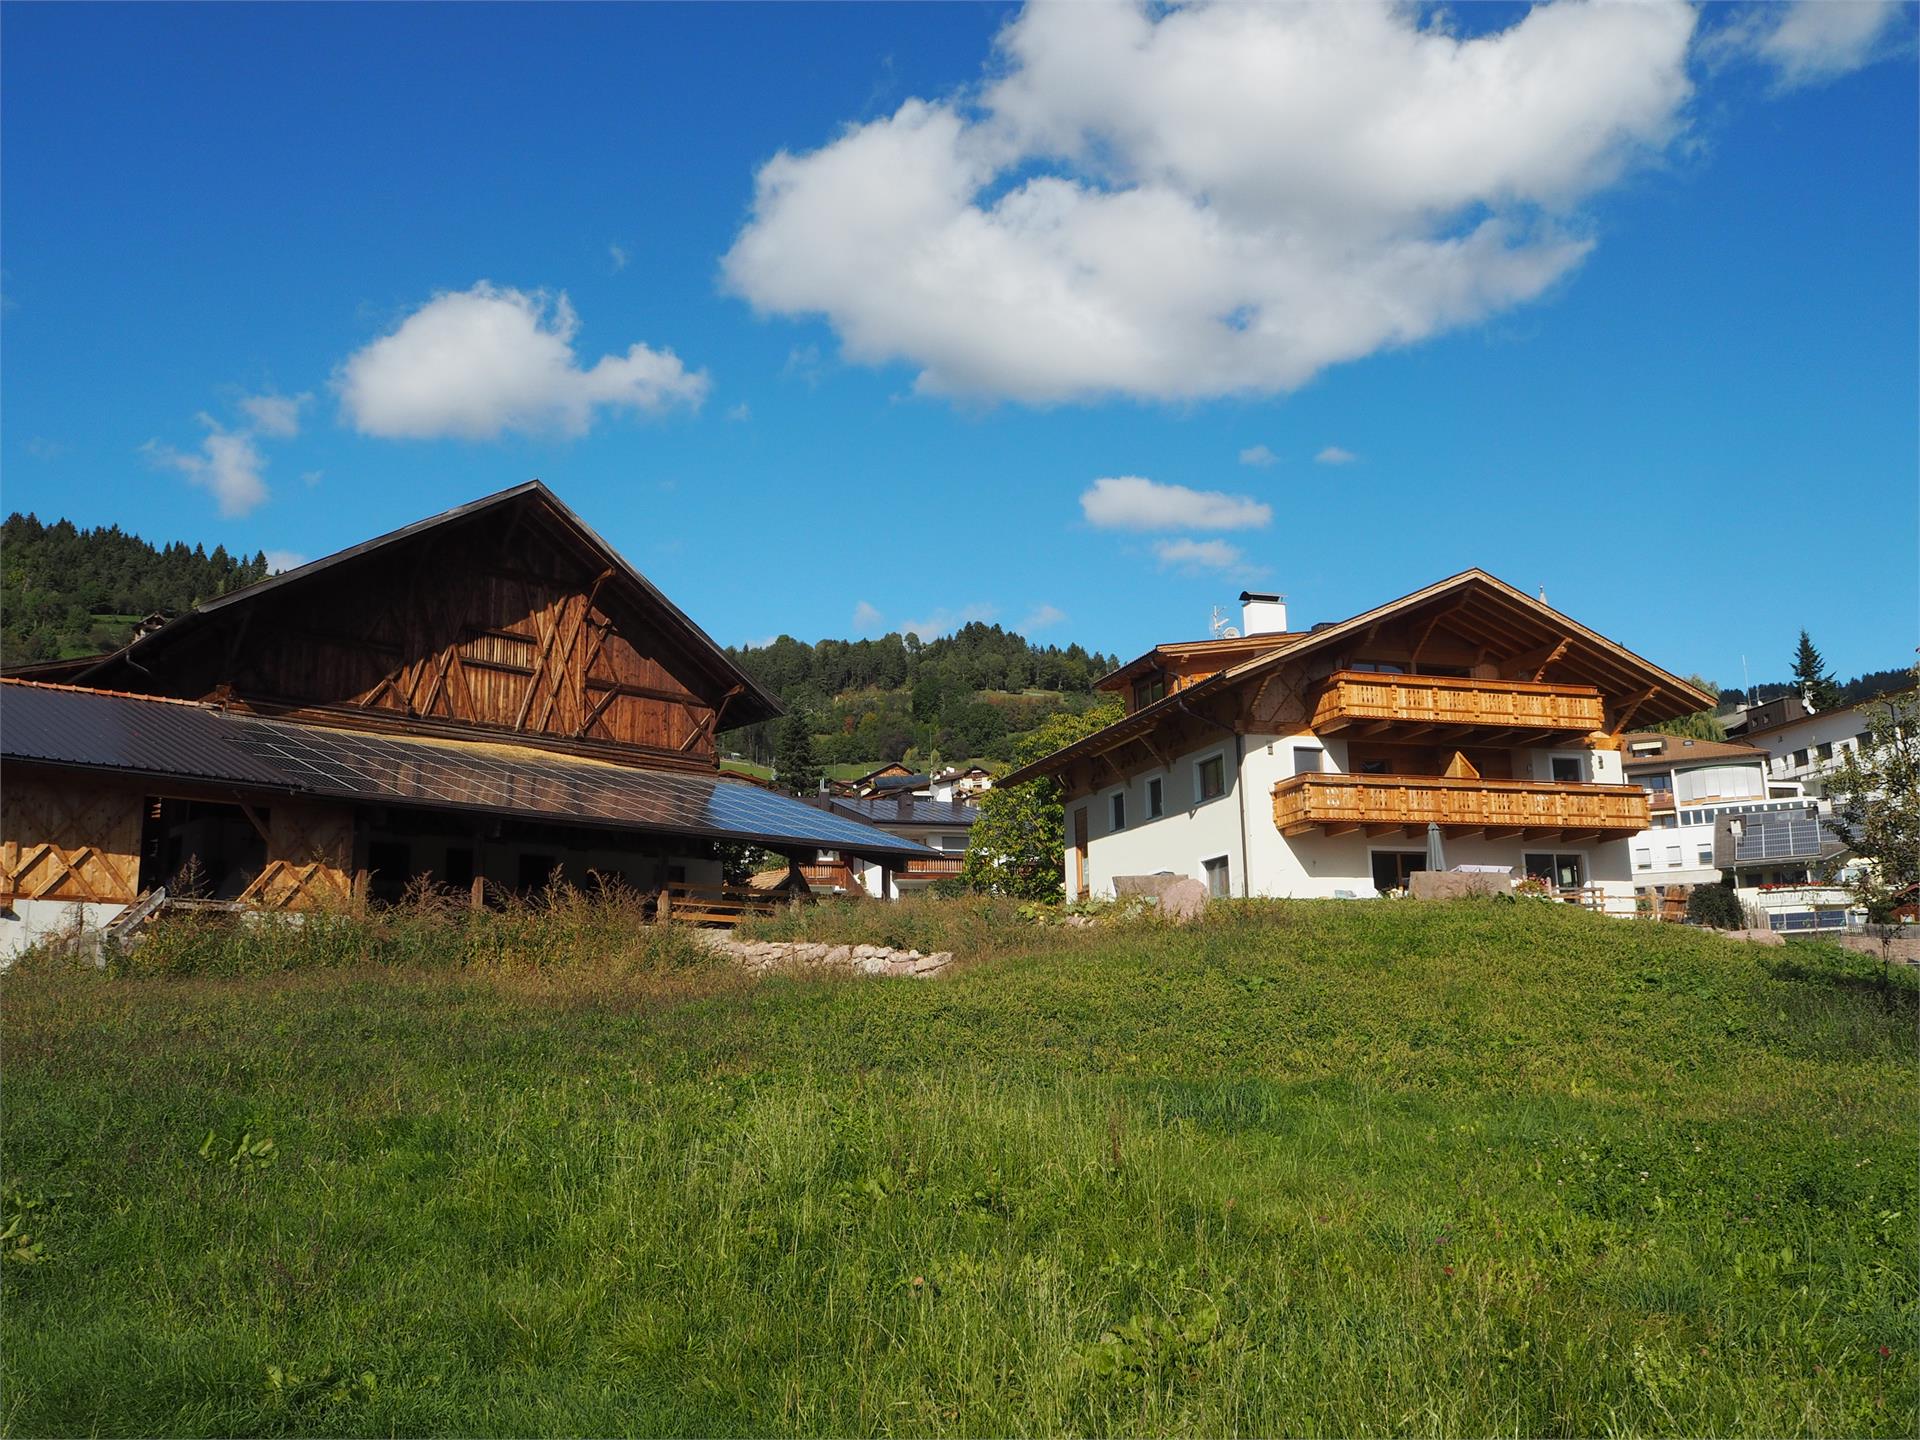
column 488, row 699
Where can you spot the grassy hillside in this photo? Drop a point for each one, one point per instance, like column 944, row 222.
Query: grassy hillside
column 1302, row 1168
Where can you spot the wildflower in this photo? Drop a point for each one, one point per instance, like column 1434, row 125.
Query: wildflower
column 1885, row 1351
column 918, row 1281
column 1447, row 1268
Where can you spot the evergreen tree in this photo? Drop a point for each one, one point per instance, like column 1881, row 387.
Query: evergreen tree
column 1811, row 679
column 794, row 765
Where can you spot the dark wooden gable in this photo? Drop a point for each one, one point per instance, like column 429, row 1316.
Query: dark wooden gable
column 501, row 622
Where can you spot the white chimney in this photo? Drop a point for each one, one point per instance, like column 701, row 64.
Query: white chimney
column 1262, row 613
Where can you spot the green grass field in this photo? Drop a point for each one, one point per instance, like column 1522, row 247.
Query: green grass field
column 1299, row 1169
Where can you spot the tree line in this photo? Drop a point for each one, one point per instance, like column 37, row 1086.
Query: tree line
column 968, row 695
column 66, row 592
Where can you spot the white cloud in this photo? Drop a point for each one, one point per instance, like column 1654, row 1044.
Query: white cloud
column 867, row 618
column 1259, row 455
column 312, row 477
column 1194, row 556
column 1132, row 502
column 944, row 621
column 740, row 412
column 279, row 560
column 472, row 363
column 617, row 254
column 1334, row 455
column 1809, row 41
column 1042, row 617
column 277, row 416
column 228, row 463
column 1182, row 201
column 41, row 448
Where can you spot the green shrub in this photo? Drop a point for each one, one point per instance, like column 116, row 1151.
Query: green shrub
column 1715, row 905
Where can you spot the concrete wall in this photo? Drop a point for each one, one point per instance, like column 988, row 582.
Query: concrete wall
column 27, row 922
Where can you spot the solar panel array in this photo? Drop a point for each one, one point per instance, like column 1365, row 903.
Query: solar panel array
column 144, row 736
column 1792, row 836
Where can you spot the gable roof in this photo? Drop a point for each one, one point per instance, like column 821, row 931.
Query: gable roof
column 1482, row 600
column 755, row 702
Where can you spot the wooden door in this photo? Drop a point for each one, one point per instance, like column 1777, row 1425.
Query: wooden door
column 1081, row 887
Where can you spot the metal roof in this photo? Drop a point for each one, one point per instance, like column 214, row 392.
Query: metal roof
column 145, row 736
column 904, row 810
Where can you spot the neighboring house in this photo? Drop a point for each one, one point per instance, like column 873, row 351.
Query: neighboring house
column 1311, row 764
column 940, row 826
column 1690, row 784
column 483, row 700
column 961, row 785
column 1802, row 743
column 1779, row 860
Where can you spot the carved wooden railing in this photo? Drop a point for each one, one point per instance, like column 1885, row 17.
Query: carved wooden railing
column 1352, row 697
column 1338, row 803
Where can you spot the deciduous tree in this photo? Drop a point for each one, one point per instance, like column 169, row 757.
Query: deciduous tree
column 1019, row 841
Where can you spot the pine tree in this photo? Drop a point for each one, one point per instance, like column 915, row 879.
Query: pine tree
column 1811, row 679
column 794, row 765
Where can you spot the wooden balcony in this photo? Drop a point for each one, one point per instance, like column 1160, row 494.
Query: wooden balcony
column 1526, row 809
column 1478, row 712
column 936, row 867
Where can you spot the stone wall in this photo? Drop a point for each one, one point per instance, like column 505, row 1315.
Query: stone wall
column 813, row 955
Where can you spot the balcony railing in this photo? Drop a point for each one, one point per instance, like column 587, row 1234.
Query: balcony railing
column 937, row 867
column 1399, row 702
column 1337, row 804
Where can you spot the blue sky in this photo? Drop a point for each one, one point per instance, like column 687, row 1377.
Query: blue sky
column 1627, row 313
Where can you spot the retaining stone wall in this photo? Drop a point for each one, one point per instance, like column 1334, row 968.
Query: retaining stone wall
column 810, row 955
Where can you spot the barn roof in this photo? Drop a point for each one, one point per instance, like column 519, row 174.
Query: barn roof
column 150, row 737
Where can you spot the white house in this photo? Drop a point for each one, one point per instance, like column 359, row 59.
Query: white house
column 1690, row 784
column 942, row 826
column 1807, row 742
column 1310, row 763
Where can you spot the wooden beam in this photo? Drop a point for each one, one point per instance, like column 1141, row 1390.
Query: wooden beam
column 1346, row 829
column 1555, row 654
column 1633, row 706
column 253, row 819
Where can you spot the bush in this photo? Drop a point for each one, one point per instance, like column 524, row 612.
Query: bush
column 1715, row 905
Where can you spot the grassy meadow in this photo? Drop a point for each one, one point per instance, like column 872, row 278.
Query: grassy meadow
column 1313, row 1168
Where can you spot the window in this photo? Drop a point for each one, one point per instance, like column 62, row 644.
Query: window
column 1156, row 798
column 1307, row 759
column 1825, row 752
column 1377, row 667
column 1642, row 858
column 1219, row 882
column 1726, row 782
column 1706, row 854
column 1799, row 759
column 1664, row 821
column 953, row 844
column 1673, row 856
column 1564, row 872
column 1566, row 770
column 1148, row 690
column 1392, row 867
column 1120, row 811
column 1661, row 784
column 1210, row 777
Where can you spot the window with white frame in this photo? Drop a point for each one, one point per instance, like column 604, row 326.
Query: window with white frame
column 1567, row 770
column 1210, row 777
column 1643, row 859
column 1673, row 856
column 1156, row 798
column 1308, row 759
column 1706, row 854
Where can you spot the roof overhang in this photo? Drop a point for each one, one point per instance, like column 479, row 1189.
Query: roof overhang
column 1472, row 601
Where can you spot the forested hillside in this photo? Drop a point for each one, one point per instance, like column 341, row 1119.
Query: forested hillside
column 65, row 591
column 962, row 696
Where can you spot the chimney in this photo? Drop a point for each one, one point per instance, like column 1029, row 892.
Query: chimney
column 1262, row 613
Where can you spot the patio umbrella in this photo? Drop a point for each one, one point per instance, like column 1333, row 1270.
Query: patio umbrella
column 1436, row 850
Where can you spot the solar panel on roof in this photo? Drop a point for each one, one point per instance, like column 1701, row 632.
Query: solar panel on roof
column 146, row 736
column 1778, row 837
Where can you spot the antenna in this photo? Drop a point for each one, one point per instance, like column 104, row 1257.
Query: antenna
column 1222, row 628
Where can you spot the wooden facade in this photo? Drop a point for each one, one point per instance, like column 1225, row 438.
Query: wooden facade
column 1532, row 810
column 68, row 838
column 508, row 618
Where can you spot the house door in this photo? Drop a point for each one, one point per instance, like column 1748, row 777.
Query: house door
column 1080, row 884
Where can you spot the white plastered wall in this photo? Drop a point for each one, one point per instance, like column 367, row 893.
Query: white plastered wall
column 1307, row 866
